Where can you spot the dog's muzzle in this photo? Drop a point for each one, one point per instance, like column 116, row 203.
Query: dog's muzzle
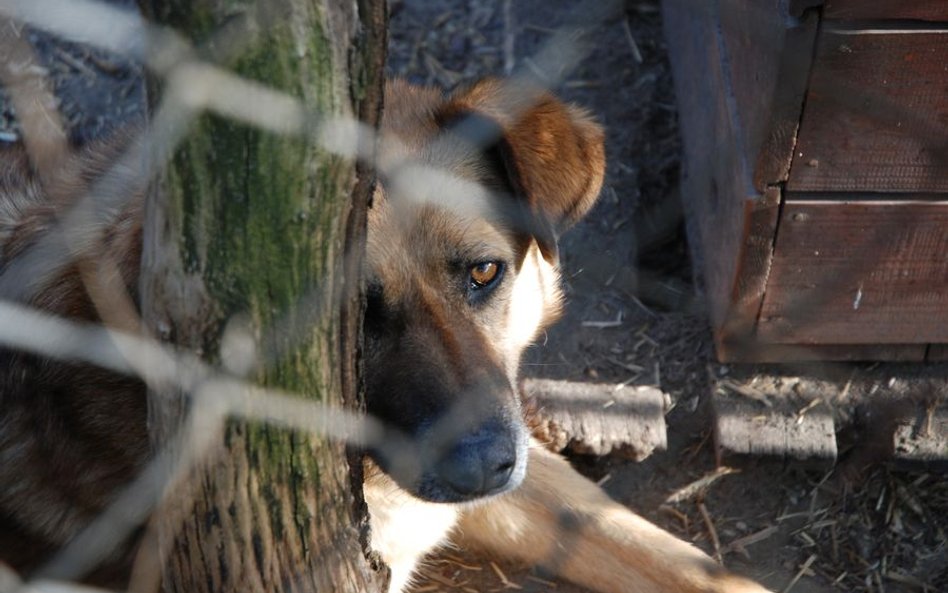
column 454, row 466
column 481, row 463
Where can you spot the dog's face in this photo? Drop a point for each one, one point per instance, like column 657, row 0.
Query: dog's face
column 461, row 274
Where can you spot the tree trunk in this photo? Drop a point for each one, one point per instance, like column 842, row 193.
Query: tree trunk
column 242, row 231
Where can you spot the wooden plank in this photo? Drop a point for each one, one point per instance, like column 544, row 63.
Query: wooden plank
column 937, row 353
column 709, row 160
column 776, row 150
column 725, row 58
column 761, row 352
column 754, row 261
column 771, row 425
column 858, row 273
column 876, row 115
column 754, row 40
column 595, row 418
column 922, row 10
column 923, row 436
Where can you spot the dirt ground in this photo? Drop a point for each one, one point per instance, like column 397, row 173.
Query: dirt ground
column 635, row 315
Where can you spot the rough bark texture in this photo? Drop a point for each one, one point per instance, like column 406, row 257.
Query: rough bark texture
column 251, row 228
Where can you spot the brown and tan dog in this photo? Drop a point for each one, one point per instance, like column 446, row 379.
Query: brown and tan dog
column 458, row 288
column 461, row 276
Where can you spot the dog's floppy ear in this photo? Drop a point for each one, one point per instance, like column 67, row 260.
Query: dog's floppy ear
column 552, row 152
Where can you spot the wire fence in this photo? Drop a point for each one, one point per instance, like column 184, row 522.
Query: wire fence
column 194, row 83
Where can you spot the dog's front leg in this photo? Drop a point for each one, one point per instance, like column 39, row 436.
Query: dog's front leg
column 560, row 520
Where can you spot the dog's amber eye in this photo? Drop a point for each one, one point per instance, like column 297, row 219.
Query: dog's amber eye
column 484, row 273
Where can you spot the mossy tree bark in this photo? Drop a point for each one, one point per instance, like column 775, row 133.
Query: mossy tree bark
column 247, row 225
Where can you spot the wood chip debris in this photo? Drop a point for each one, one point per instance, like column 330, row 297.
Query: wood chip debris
column 503, row 578
column 803, row 570
column 700, row 486
column 745, row 390
column 617, row 322
column 741, row 543
column 715, row 541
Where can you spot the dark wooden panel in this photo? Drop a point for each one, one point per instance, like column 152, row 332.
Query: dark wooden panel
column 753, row 266
column 725, row 58
column 759, row 352
column 858, row 273
column 923, row 10
column 783, row 119
column 937, row 353
column 710, row 164
column 744, row 429
column 876, row 115
column 753, row 42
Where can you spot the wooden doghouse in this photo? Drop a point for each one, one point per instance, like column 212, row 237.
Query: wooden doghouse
column 815, row 173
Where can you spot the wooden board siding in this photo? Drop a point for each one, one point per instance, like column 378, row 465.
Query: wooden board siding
column 923, row 10
column 876, row 114
column 858, row 273
column 711, row 171
column 937, row 353
column 753, row 37
column 776, row 151
column 762, row 352
column 753, row 266
column 726, row 58
column 815, row 174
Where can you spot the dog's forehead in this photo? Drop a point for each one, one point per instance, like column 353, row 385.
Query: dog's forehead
column 427, row 236
column 432, row 206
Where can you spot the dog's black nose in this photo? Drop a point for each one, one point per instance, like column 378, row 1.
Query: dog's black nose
column 480, row 463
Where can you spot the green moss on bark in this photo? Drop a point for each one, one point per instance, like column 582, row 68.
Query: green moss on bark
column 259, row 219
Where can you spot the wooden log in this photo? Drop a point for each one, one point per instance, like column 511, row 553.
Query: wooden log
column 924, row 438
column 597, row 419
column 748, row 423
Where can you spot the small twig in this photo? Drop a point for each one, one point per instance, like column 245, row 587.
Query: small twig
column 907, row 579
column 503, row 578
column 582, row 84
column 712, row 532
column 455, row 561
column 848, row 385
column 543, row 582
column 617, row 322
column 758, row 536
column 699, row 486
column 443, row 580
column 74, row 62
column 683, row 518
column 800, row 573
column 636, row 53
column 626, row 365
column 745, row 390
column 802, row 411
column 642, row 306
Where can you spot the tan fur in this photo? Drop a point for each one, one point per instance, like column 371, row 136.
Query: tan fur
column 562, row 521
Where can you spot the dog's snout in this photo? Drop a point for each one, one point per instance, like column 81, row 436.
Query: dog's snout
column 480, row 463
